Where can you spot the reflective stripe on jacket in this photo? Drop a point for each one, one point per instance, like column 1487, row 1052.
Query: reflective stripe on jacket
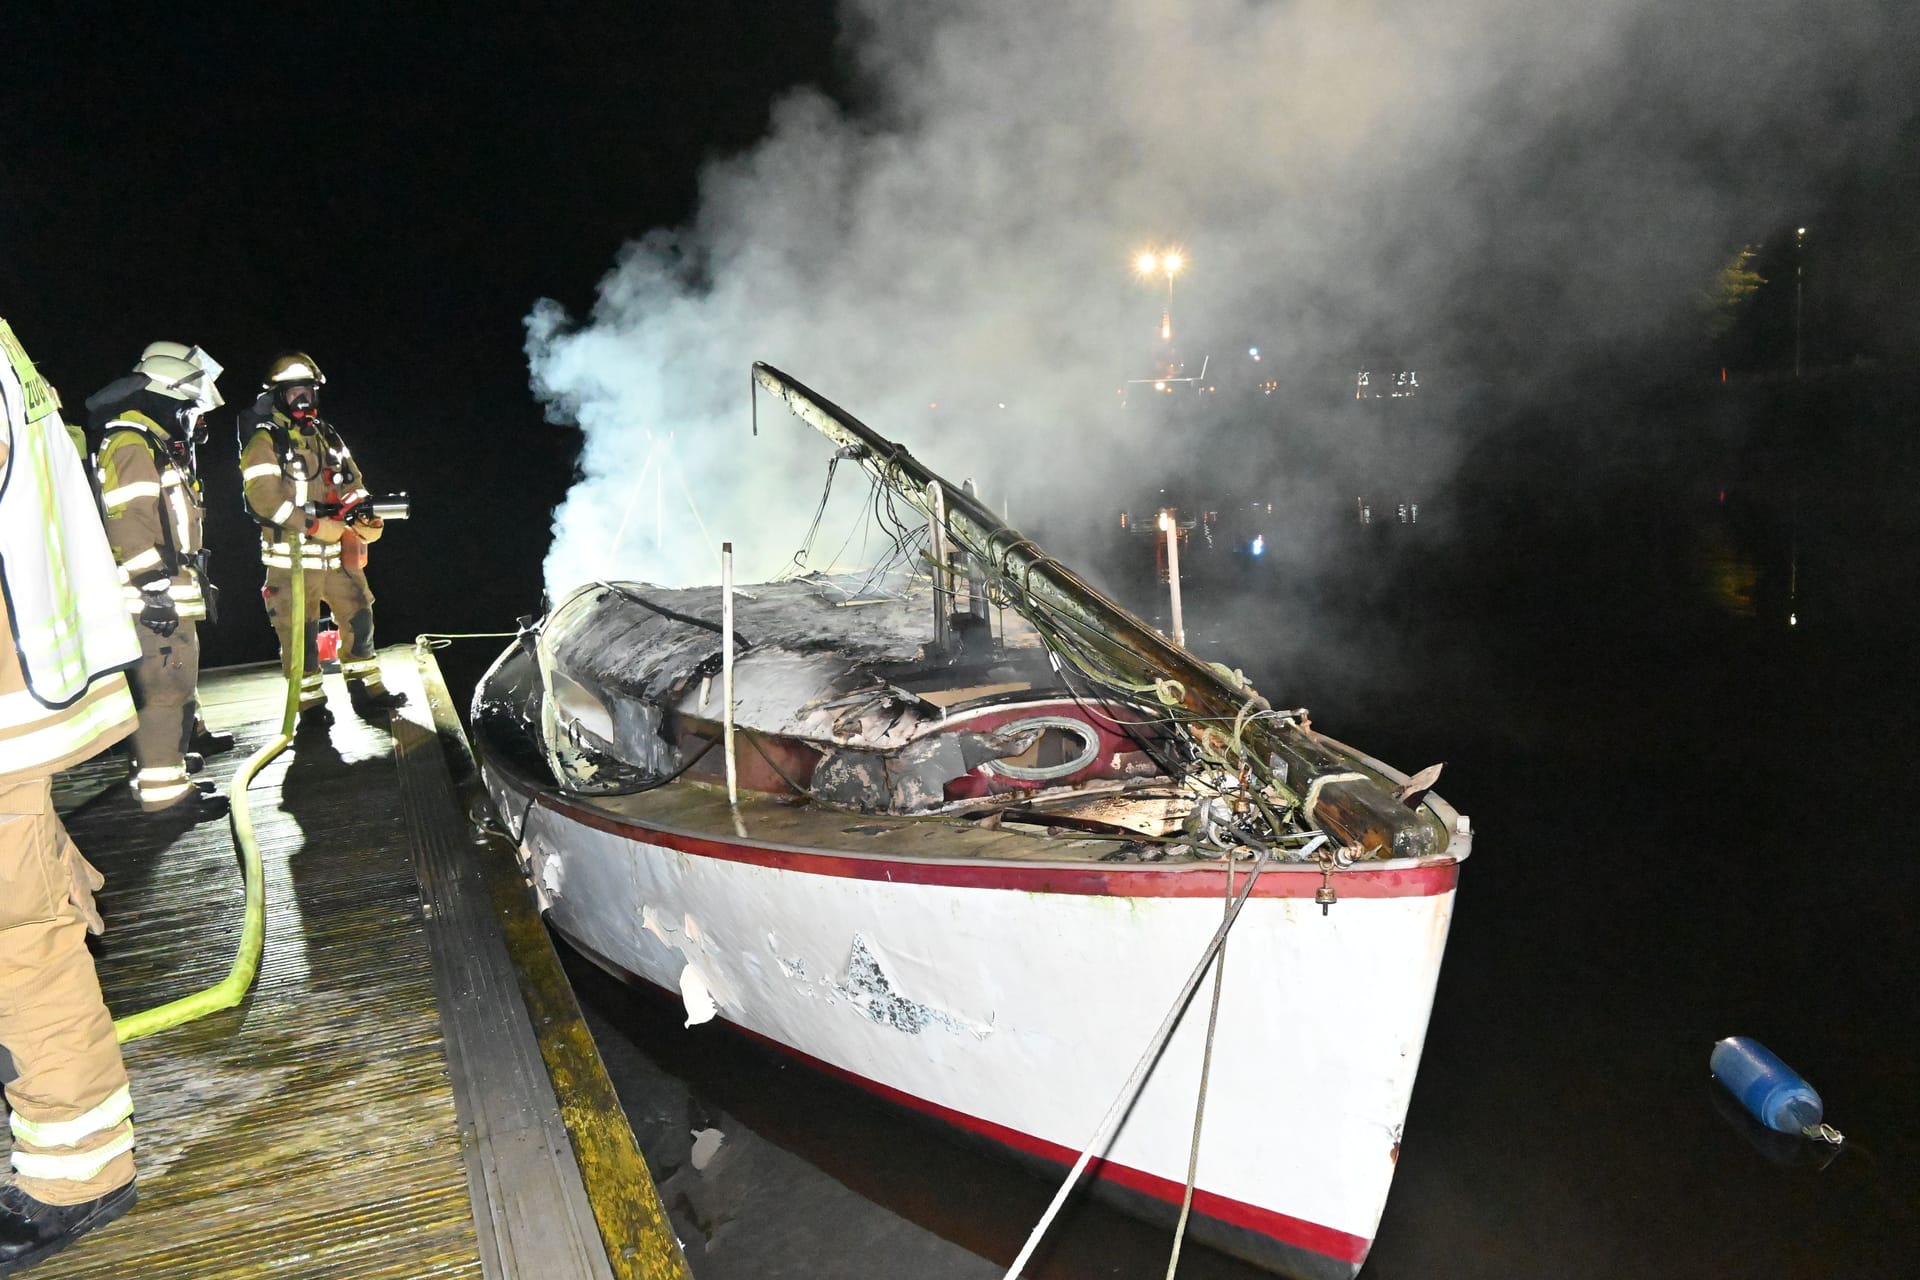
column 155, row 513
column 61, row 695
column 316, row 467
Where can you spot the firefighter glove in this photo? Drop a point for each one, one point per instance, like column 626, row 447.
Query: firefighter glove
column 157, row 611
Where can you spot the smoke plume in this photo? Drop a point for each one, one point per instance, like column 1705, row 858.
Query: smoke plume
column 1494, row 183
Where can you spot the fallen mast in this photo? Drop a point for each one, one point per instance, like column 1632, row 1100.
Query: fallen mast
column 1282, row 767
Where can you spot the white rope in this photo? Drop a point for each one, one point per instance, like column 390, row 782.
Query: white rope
column 1313, row 792
column 1111, row 1121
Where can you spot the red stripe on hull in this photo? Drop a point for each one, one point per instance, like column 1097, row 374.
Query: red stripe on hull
column 1297, row 1233
column 1194, row 881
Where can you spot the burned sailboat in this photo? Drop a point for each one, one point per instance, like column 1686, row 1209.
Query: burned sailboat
column 970, row 869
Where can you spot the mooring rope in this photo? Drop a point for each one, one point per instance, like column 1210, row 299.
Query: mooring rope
column 1111, row 1121
column 1200, row 1102
column 441, row 639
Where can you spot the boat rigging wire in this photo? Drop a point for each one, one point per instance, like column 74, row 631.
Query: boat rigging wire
column 1110, row 1123
column 798, row 564
column 1200, row 1101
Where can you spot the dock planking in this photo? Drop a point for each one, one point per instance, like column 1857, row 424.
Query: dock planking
column 311, row 1129
column 356, row 1114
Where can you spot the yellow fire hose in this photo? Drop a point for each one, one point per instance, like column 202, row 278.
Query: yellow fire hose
column 231, row 989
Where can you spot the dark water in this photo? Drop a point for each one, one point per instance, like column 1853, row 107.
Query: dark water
column 1693, row 821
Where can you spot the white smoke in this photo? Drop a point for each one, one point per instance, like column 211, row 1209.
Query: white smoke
column 1502, row 176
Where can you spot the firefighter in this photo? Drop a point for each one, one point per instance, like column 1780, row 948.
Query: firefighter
column 64, row 635
column 299, row 475
column 148, row 424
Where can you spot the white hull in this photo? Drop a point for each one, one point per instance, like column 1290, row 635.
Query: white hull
column 1013, row 1000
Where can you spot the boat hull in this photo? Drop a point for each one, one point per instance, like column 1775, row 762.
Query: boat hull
column 1012, row 1000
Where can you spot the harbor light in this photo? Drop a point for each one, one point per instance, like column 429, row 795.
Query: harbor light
column 1259, row 547
column 1170, row 263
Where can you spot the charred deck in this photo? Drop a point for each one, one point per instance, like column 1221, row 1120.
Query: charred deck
column 382, row 1103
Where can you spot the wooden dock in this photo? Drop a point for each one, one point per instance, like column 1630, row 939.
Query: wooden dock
column 384, row 1102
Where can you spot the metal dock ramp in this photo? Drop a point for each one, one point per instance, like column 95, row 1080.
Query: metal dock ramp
column 408, row 1090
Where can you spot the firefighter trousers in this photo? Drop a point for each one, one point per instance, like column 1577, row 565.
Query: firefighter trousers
column 71, row 1121
column 164, row 686
column 348, row 597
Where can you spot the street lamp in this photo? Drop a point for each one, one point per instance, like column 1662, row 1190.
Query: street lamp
column 1170, row 263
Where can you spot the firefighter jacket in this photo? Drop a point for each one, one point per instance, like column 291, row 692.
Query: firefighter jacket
column 68, row 635
column 286, row 468
column 155, row 511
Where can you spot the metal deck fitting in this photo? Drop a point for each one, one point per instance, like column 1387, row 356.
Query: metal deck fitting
column 382, row 1104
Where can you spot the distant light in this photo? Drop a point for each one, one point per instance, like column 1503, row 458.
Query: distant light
column 1166, row 522
column 1003, row 406
column 1802, row 231
column 1254, row 352
column 1172, row 262
column 933, row 404
column 1793, row 619
column 1159, row 386
column 1259, row 544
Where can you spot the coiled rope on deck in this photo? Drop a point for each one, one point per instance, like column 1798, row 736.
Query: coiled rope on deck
column 231, row 989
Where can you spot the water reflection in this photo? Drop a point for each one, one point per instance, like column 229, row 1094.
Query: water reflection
column 1689, row 819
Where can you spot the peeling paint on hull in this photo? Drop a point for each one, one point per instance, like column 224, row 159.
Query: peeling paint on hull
column 1016, row 1013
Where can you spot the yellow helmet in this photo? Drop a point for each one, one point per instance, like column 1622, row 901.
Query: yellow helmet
column 295, row 366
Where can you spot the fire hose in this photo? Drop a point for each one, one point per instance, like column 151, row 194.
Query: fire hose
column 231, row 989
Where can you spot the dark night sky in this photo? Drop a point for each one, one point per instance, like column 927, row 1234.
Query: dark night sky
column 389, row 187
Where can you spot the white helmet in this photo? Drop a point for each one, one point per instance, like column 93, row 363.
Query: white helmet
column 180, row 372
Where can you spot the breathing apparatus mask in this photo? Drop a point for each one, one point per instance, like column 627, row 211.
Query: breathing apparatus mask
column 185, row 374
column 302, row 402
column 295, row 382
column 193, row 424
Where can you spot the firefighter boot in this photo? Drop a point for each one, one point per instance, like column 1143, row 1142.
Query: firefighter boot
column 373, row 703
column 208, row 743
column 201, row 804
column 316, row 719
column 31, row 1231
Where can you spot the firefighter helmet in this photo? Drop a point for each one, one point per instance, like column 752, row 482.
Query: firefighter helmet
column 180, row 372
column 295, row 366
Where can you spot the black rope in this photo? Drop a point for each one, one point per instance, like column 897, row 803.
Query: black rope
column 739, row 640
column 656, row 784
